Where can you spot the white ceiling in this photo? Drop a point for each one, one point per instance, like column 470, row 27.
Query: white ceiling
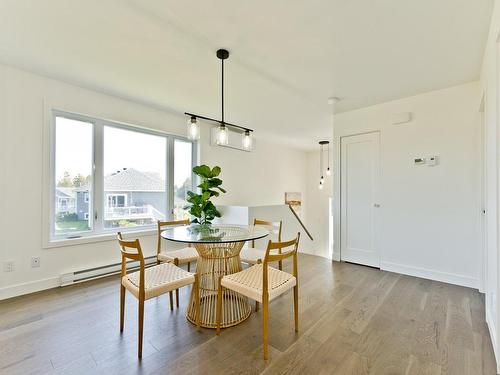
column 287, row 57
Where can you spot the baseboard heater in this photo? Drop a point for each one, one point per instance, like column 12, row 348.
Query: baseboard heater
column 102, row 271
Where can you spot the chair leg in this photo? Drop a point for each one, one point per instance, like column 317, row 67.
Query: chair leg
column 259, row 261
column 265, row 324
column 141, row 326
column 171, row 297
column 219, row 305
column 280, row 265
column 189, row 266
column 176, row 262
column 296, row 306
column 122, row 307
column 196, row 287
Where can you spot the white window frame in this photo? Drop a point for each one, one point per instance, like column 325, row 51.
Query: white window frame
column 96, row 199
column 86, row 197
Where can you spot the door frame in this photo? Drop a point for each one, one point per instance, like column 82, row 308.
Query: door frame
column 340, row 200
column 483, row 264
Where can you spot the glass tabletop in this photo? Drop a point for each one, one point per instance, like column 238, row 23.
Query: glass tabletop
column 214, row 233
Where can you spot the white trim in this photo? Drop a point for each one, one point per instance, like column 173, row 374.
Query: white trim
column 29, row 287
column 103, row 237
column 336, row 256
column 493, row 337
column 425, row 273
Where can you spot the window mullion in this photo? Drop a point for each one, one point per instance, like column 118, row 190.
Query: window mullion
column 98, row 201
column 170, row 178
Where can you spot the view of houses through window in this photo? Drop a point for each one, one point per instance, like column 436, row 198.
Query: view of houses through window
column 130, row 177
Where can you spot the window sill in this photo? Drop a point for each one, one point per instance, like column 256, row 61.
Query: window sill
column 103, row 237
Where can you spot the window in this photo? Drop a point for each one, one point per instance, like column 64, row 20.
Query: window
column 183, row 182
column 108, row 176
column 116, row 200
column 72, row 171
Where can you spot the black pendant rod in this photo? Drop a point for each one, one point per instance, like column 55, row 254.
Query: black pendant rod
column 222, row 61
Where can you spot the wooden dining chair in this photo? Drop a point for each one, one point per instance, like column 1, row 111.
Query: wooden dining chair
column 263, row 284
column 186, row 255
column 150, row 282
column 252, row 255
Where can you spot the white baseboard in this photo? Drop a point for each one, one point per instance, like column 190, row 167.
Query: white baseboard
column 492, row 329
column 425, row 273
column 30, row 287
column 336, row 256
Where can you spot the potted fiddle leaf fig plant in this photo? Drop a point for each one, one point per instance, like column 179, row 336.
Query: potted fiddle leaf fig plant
column 200, row 205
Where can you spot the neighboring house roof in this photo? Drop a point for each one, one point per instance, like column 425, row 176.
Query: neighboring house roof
column 130, row 179
column 65, row 192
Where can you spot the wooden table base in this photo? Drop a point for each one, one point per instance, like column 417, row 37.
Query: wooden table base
column 217, row 259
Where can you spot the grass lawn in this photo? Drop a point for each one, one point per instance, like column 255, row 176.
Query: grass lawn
column 75, row 226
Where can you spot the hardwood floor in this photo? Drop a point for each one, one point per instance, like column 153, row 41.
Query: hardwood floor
column 353, row 320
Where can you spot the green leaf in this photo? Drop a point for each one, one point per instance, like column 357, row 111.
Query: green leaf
column 216, row 171
column 202, row 171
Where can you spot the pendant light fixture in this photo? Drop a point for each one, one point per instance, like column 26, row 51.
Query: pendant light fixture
column 328, row 171
column 322, row 177
column 332, row 101
column 193, row 129
column 247, row 141
column 222, row 137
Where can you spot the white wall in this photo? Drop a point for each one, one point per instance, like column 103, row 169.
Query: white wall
column 317, row 206
column 255, row 178
column 489, row 90
column 429, row 215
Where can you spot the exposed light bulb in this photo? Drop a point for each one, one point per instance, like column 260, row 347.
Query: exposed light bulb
column 222, row 136
column 247, row 141
column 193, row 129
column 328, row 172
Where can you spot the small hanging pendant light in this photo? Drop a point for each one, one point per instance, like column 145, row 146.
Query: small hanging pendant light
column 222, row 135
column 322, row 177
column 247, row 141
column 328, row 171
column 193, row 129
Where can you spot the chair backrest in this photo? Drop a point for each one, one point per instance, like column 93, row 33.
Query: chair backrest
column 292, row 245
column 162, row 224
column 132, row 250
column 274, row 227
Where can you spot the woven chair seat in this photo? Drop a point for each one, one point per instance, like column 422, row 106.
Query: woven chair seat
column 185, row 255
column 158, row 279
column 249, row 282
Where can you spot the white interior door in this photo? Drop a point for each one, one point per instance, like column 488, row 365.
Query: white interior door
column 359, row 205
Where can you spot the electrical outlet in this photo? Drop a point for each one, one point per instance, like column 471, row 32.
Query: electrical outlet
column 35, row 262
column 8, row 266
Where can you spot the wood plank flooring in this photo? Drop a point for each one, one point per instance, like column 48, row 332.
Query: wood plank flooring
column 353, row 320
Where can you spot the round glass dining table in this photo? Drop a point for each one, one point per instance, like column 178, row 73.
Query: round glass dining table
column 219, row 249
